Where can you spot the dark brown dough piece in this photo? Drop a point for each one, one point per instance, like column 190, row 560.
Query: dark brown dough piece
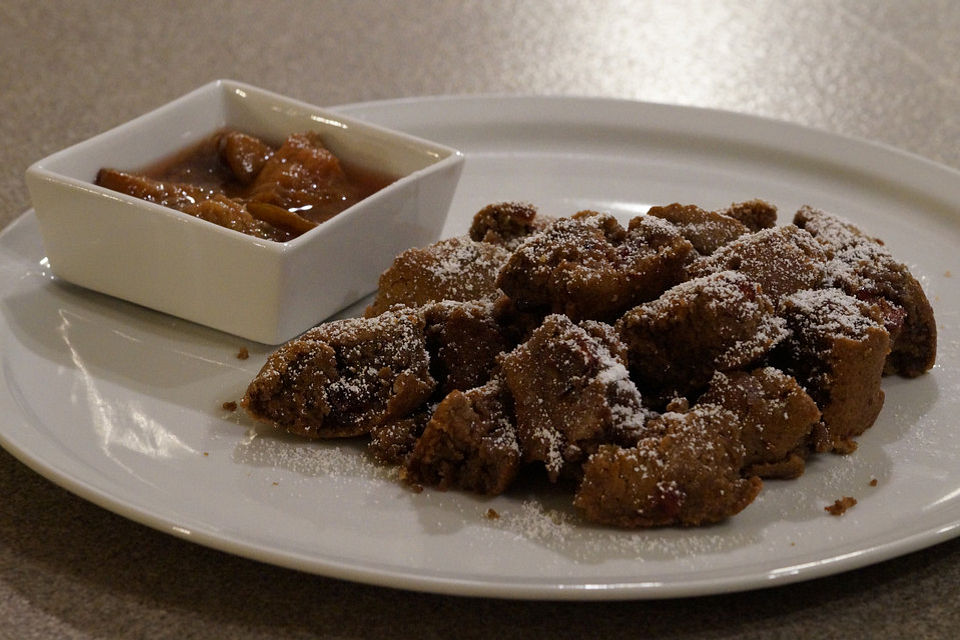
column 392, row 441
column 507, row 224
column 776, row 418
column 464, row 340
column 706, row 230
column 755, row 214
column 571, row 392
column 714, row 323
column 344, row 377
column 685, row 472
column 836, row 350
column 517, row 324
column 590, row 267
column 469, row 443
column 781, row 260
column 864, row 268
column 458, row 269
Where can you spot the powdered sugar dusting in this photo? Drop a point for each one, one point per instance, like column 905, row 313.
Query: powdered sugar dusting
column 311, row 459
column 831, row 311
column 564, row 531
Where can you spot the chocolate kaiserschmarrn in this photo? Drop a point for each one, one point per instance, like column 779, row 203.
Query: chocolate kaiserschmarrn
column 661, row 371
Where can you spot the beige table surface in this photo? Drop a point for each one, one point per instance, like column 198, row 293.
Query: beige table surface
column 886, row 71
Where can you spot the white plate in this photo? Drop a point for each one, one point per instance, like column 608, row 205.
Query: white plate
column 122, row 405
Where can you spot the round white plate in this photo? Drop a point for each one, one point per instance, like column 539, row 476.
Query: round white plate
column 123, row 406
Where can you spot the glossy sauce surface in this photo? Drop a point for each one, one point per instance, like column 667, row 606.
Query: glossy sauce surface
column 243, row 183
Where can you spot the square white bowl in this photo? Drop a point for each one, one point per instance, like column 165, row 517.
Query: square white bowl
column 257, row 289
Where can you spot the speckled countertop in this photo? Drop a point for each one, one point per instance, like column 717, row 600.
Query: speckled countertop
column 885, row 71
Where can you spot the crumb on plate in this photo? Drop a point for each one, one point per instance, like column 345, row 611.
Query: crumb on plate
column 840, row 506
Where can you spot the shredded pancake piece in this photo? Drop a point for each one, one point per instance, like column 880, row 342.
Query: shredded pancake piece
column 718, row 322
column 344, row 377
column 685, row 472
column 458, row 269
column 590, row 267
column 571, row 392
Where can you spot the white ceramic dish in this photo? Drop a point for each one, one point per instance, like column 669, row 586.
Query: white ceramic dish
column 121, row 405
column 257, row 289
